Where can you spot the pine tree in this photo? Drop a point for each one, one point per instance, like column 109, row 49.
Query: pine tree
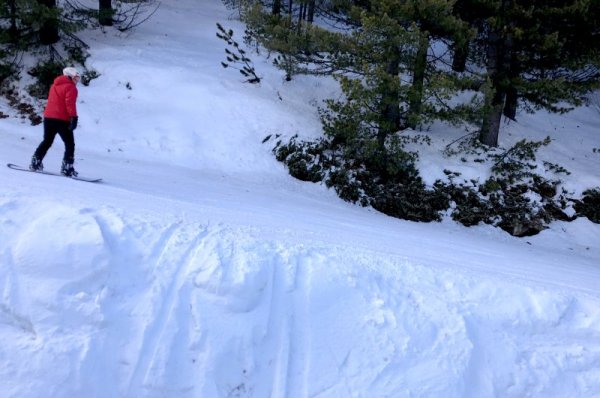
column 541, row 54
column 391, row 39
column 431, row 20
column 48, row 31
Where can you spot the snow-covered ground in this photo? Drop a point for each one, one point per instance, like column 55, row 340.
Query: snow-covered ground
column 199, row 268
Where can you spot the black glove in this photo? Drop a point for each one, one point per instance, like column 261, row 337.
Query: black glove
column 73, row 123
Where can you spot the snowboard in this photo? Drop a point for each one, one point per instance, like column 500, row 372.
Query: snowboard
column 78, row 178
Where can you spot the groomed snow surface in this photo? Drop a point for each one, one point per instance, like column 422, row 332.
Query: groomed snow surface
column 199, row 268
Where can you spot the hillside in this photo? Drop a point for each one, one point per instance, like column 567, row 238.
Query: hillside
column 200, row 268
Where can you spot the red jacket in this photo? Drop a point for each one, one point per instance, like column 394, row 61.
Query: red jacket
column 61, row 99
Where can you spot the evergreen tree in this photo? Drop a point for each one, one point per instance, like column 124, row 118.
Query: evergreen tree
column 543, row 54
column 48, row 31
column 42, row 29
column 376, row 103
column 431, row 20
column 29, row 22
column 24, row 24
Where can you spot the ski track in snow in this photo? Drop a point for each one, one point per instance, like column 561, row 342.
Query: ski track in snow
column 189, row 309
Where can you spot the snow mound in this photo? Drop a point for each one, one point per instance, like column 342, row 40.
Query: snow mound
column 134, row 305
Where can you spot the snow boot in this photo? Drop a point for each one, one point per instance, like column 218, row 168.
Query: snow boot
column 36, row 164
column 67, row 169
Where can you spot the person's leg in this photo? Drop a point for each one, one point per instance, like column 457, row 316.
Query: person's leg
column 50, row 130
column 68, row 138
column 66, row 134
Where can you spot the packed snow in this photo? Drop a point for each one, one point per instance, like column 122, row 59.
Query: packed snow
column 200, row 268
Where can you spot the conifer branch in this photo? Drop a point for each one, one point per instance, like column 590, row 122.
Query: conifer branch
column 237, row 56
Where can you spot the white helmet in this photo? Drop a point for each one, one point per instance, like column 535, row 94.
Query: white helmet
column 71, row 72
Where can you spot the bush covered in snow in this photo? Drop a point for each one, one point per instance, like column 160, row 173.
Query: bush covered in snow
column 522, row 195
column 589, row 205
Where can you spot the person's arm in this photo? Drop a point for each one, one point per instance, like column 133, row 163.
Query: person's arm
column 71, row 103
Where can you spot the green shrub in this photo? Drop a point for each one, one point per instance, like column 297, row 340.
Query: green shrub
column 589, row 206
column 388, row 182
column 45, row 73
column 515, row 198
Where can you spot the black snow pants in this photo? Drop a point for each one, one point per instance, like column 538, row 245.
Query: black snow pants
column 51, row 128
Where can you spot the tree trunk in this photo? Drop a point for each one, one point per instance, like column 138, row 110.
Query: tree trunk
column 494, row 96
column 512, row 96
column 491, row 122
column 390, row 103
column 276, row 8
column 311, row 11
column 303, row 10
column 416, row 92
column 499, row 49
column 510, row 106
column 48, row 33
column 13, row 31
column 459, row 60
column 300, row 15
column 105, row 12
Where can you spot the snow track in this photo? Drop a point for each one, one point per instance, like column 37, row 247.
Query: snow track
column 130, row 305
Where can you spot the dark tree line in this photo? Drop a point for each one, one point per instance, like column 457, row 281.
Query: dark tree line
column 515, row 54
column 48, row 29
column 402, row 64
column 537, row 54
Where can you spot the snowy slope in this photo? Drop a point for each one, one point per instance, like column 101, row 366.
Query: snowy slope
column 199, row 268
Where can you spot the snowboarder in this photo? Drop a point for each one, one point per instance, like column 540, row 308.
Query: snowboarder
column 60, row 117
